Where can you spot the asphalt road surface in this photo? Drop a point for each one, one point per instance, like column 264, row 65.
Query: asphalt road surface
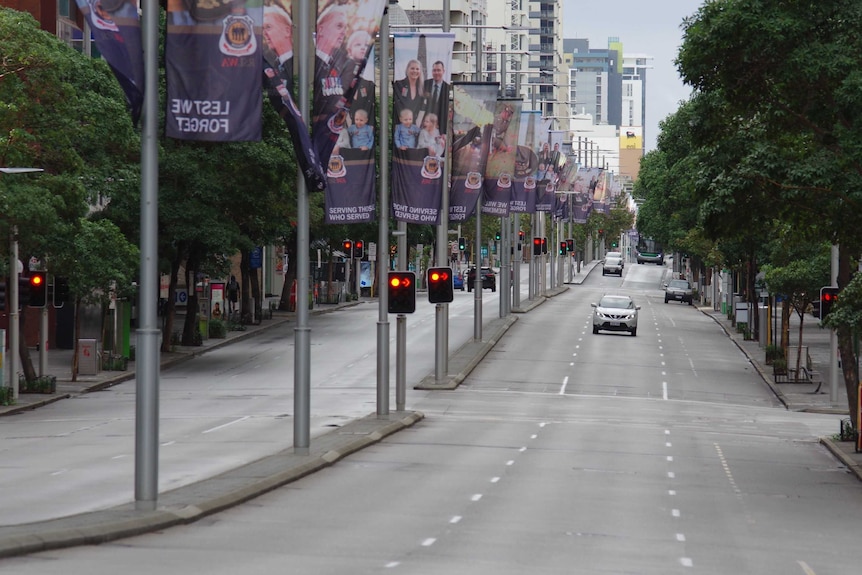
column 563, row 452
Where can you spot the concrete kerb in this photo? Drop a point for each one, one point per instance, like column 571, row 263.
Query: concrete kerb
column 192, row 502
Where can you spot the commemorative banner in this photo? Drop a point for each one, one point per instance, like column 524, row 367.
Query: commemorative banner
column 500, row 170
column 525, row 185
column 214, row 69
column 474, row 105
column 345, row 36
column 601, row 202
column 584, row 187
column 351, row 171
column 278, row 83
column 551, row 164
column 420, row 123
column 116, row 29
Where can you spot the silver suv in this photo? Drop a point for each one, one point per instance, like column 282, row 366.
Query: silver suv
column 678, row 290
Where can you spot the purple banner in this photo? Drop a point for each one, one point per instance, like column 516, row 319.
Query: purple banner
column 472, row 123
column 278, row 80
column 601, row 202
column 500, row 170
column 214, row 68
column 524, row 188
column 420, row 114
column 116, row 29
column 345, row 36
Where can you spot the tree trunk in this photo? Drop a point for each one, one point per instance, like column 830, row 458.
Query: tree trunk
column 170, row 306
column 77, row 340
column 190, row 326
column 24, row 351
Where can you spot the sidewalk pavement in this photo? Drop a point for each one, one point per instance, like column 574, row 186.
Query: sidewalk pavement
column 813, row 397
column 193, row 502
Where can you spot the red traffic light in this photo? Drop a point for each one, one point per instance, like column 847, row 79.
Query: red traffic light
column 36, row 280
column 438, row 276
column 399, row 281
column 348, row 246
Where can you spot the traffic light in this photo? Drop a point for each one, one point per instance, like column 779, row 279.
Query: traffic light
column 440, row 288
column 537, row 246
column 828, row 296
column 544, row 246
column 570, row 246
column 462, row 244
column 497, row 236
column 615, row 244
column 520, row 236
column 3, row 295
column 402, row 292
column 38, row 289
column 23, row 291
column 563, row 248
column 347, row 248
column 61, row 291
column 357, row 249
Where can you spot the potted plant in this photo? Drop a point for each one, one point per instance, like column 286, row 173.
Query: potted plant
column 779, row 366
column 773, row 352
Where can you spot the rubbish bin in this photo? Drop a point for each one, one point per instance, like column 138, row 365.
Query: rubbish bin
column 88, row 357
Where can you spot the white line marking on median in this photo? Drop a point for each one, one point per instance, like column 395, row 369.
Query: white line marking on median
column 565, row 383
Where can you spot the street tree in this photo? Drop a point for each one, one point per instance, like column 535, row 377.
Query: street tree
column 780, row 94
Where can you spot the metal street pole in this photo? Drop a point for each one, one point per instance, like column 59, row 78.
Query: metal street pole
column 441, row 341
column 383, row 231
column 477, row 284
column 147, row 337
column 302, row 332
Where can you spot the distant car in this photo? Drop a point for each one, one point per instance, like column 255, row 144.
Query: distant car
column 616, row 255
column 678, row 290
column 615, row 313
column 651, row 258
column 458, row 282
column 489, row 279
column 612, row 266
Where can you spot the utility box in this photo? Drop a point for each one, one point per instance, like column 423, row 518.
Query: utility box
column 88, row 357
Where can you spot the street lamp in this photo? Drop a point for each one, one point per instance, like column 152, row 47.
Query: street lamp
column 14, row 331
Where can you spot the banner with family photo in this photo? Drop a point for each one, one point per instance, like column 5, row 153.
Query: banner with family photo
column 527, row 163
column 214, row 68
column 472, row 123
column 344, row 39
column 420, row 98
column 116, row 29
column 351, row 171
column 278, row 83
column 500, row 169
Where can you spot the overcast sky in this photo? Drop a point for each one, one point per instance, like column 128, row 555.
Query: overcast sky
column 650, row 27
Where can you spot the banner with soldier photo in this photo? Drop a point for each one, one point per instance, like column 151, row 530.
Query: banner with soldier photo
column 420, row 122
column 278, row 83
column 345, row 36
column 601, row 202
column 214, row 68
column 500, row 169
column 551, row 164
column 526, row 179
column 116, row 29
column 473, row 105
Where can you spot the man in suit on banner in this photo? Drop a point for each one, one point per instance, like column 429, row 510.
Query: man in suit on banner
column 437, row 89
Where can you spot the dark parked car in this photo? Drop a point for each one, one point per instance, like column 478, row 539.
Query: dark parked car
column 489, row 279
column 679, row 290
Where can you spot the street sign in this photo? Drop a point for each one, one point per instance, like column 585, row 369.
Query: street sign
column 181, row 296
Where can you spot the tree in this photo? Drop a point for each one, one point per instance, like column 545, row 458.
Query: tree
column 779, row 93
column 64, row 113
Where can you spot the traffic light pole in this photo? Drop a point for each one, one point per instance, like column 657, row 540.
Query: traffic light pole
column 14, row 327
column 383, row 236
